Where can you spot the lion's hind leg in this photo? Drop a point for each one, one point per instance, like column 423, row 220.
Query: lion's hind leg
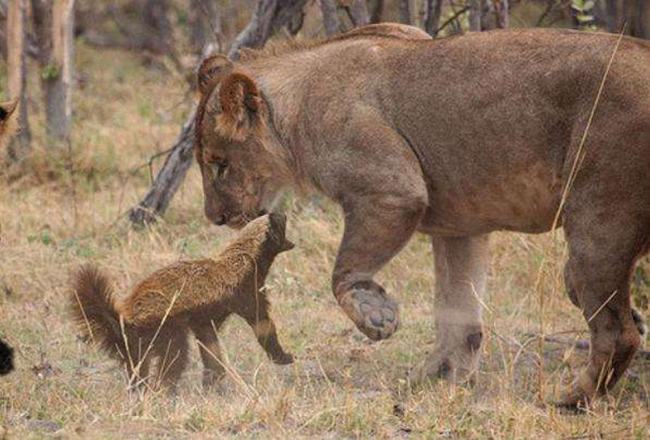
column 604, row 245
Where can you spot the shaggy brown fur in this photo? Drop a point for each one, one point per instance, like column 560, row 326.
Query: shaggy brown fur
column 151, row 325
column 454, row 137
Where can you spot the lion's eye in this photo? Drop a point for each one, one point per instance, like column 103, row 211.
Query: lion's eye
column 219, row 167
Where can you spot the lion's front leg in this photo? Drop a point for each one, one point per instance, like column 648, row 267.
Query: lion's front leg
column 375, row 230
column 461, row 270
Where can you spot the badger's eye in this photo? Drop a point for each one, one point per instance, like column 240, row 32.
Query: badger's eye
column 220, row 167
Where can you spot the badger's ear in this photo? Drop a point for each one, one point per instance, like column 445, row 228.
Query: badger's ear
column 287, row 245
column 7, row 109
column 213, row 69
column 241, row 102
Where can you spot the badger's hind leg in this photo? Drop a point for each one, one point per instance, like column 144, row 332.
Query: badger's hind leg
column 171, row 353
column 257, row 316
column 210, row 349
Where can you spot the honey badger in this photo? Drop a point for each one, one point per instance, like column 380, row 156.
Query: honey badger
column 152, row 323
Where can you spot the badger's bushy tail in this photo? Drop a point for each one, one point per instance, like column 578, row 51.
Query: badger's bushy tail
column 92, row 303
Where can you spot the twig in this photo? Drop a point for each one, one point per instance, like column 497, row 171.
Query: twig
column 149, row 163
column 451, row 19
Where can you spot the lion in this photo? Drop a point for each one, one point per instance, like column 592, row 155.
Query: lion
column 8, row 127
column 8, row 121
column 152, row 323
column 454, row 138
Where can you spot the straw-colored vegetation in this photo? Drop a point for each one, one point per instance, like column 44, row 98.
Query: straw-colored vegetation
column 65, row 208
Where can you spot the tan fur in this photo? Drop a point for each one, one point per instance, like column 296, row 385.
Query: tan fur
column 194, row 296
column 212, row 71
column 240, row 100
column 456, row 138
column 8, row 121
column 8, row 127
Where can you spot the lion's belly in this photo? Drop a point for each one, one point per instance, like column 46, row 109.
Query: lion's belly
column 526, row 202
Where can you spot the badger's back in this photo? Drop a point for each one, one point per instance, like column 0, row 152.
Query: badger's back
column 181, row 288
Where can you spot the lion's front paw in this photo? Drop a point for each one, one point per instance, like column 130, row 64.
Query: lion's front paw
column 370, row 308
column 433, row 368
column 459, row 367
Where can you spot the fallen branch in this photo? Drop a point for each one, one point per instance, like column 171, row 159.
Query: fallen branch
column 269, row 16
column 169, row 178
column 580, row 344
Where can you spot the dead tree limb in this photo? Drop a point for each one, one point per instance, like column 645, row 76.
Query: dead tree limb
column 268, row 16
column 331, row 20
column 579, row 344
column 169, row 178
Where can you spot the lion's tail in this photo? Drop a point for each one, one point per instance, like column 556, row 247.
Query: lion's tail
column 92, row 303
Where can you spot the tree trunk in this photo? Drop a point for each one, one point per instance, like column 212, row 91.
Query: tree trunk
column 205, row 24
column 358, row 12
column 377, row 11
column 613, row 24
column 54, row 27
column 268, row 16
column 58, row 79
column 330, row 14
column 635, row 12
column 406, row 11
column 432, row 16
column 475, row 13
column 501, row 13
column 17, row 72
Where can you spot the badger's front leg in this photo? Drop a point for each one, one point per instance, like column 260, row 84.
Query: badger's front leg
column 461, row 266
column 376, row 228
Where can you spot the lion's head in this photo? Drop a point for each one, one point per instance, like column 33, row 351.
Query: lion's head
column 235, row 148
column 8, row 121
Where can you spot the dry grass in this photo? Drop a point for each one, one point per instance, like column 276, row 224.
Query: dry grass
column 341, row 384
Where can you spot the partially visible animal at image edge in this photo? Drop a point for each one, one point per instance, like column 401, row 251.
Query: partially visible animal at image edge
column 196, row 296
column 455, row 138
column 8, row 127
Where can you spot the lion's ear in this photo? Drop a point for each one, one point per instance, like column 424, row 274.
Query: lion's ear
column 7, row 109
column 213, row 69
column 241, row 102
